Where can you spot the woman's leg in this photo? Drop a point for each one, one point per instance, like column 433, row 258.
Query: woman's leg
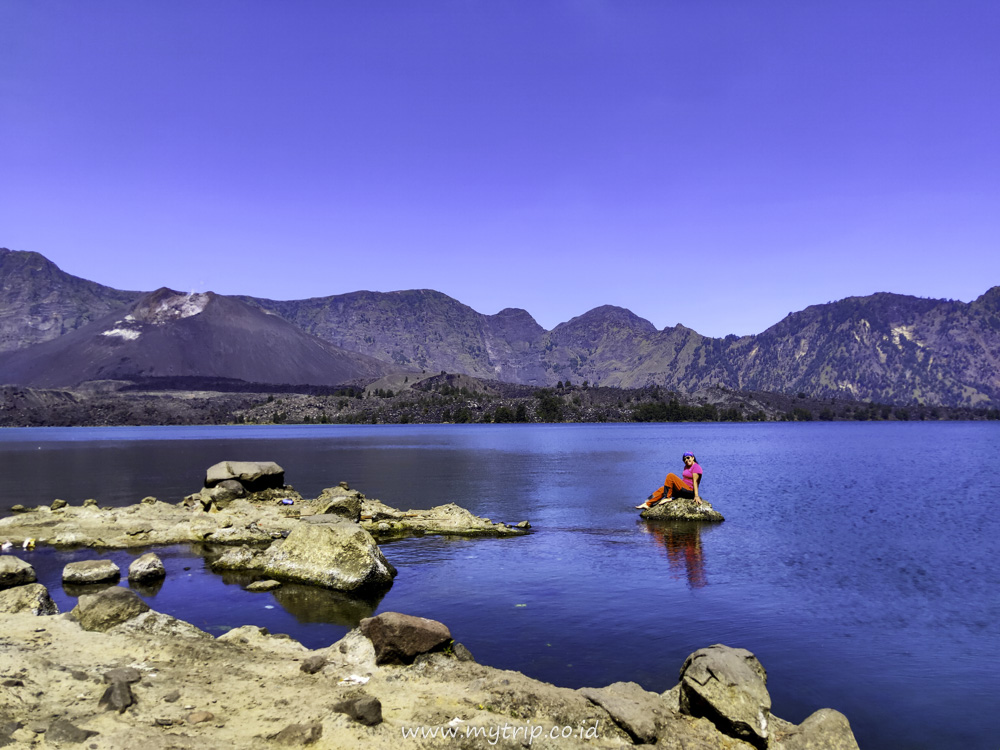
column 675, row 487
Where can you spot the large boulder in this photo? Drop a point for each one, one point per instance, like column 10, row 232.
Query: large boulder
column 254, row 476
column 108, row 608
column 634, row 709
column 727, row 686
column 149, row 567
column 399, row 638
column 32, row 597
column 91, row 571
column 824, row 730
column 15, row 572
column 682, row 509
column 338, row 555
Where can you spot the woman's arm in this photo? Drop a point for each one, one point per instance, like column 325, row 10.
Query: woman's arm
column 695, row 479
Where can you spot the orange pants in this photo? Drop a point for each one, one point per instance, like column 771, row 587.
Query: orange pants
column 673, row 486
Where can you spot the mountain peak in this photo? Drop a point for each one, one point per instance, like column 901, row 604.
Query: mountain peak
column 165, row 305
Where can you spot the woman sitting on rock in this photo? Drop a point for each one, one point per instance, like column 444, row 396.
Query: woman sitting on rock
column 685, row 486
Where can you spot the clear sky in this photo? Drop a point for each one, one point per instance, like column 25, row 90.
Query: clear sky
column 716, row 163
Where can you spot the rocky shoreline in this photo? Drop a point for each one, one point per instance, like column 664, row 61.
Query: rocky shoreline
column 113, row 673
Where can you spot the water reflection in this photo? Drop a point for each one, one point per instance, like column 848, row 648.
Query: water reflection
column 76, row 590
column 681, row 540
column 312, row 604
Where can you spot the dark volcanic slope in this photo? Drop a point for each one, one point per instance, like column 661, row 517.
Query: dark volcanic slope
column 205, row 335
column 39, row 302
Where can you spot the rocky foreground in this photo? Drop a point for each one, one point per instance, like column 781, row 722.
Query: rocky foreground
column 113, row 673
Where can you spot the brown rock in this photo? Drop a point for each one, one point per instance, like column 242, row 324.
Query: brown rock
column 399, row 638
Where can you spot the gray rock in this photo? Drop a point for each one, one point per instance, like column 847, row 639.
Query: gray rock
column 32, row 597
column 7, row 729
column 122, row 674
column 340, row 556
column 824, row 730
column 361, row 707
column 149, row 567
column 299, row 734
column 61, row 730
column 632, row 708
column 91, row 571
column 399, row 638
column 239, row 558
column 682, row 509
column 156, row 623
column 313, row 664
column 254, row 476
column 462, row 653
column 728, row 687
column 108, row 608
column 268, row 585
column 341, row 502
column 117, row 697
column 15, row 572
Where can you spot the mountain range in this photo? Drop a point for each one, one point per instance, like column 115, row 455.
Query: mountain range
column 885, row 347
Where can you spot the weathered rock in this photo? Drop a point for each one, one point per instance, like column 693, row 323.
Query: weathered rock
column 149, row 567
column 361, row 707
column 391, row 523
column 240, row 558
column 682, row 509
column 198, row 717
column 341, row 502
column 299, row 734
column 462, row 653
column 117, row 697
column 399, row 638
column 108, row 608
column 61, row 730
column 58, row 504
column 313, row 664
column 32, row 597
column 91, row 571
column 268, row 585
column 254, row 476
column 15, row 572
column 158, row 624
column 127, row 675
column 633, row 709
column 727, row 686
column 339, row 555
column 824, row 730
column 149, row 500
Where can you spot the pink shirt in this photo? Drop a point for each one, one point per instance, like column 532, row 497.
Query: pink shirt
column 688, row 472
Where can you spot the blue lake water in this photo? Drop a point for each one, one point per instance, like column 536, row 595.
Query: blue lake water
column 859, row 561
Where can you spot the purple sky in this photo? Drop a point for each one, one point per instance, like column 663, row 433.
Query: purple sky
column 716, row 163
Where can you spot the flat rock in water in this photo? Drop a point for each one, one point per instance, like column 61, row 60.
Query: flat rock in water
column 339, row 555
column 253, row 475
column 91, row 571
column 682, row 509
column 149, row 567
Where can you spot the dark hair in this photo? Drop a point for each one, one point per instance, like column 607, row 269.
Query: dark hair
column 689, row 454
